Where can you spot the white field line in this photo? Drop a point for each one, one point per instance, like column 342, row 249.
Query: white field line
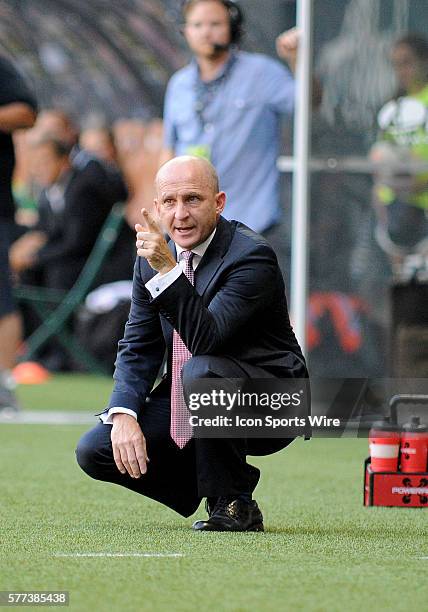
column 107, row 554
column 48, row 418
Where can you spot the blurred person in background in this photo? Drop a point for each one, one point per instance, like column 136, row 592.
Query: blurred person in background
column 103, row 176
column 135, row 147
column 56, row 122
column 73, row 206
column 17, row 111
column 26, row 190
column 401, row 195
column 401, row 202
column 100, row 142
column 59, row 124
column 226, row 106
column 139, row 148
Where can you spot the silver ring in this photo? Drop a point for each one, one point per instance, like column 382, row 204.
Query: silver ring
column 142, row 244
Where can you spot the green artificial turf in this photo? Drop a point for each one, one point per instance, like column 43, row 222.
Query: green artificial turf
column 67, row 392
column 322, row 550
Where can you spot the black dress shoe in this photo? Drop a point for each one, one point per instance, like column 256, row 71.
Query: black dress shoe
column 231, row 515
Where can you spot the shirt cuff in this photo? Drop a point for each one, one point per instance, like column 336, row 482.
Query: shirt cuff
column 107, row 417
column 160, row 282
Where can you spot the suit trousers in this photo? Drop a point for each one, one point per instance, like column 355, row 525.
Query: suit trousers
column 180, row 478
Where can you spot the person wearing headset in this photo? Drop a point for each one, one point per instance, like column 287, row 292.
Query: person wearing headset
column 226, row 105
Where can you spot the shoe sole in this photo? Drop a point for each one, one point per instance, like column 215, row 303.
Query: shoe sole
column 258, row 527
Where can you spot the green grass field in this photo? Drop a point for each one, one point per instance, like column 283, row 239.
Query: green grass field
column 70, row 392
column 322, row 550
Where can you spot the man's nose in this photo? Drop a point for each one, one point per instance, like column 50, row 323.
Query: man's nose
column 181, row 211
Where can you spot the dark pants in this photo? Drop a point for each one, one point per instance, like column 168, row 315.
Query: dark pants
column 180, row 478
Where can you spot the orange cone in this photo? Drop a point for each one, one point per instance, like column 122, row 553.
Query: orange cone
column 30, row 373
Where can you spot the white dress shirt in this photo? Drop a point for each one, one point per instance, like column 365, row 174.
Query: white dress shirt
column 156, row 285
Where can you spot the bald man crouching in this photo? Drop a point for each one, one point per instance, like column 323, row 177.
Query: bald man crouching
column 212, row 300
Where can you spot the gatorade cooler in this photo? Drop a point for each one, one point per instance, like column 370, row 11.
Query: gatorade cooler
column 384, row 445
column 414, row 446
column 384, row 485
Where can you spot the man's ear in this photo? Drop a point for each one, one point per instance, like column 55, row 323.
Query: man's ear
column 220, row 200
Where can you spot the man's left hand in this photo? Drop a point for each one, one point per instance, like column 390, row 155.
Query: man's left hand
column 152, row 245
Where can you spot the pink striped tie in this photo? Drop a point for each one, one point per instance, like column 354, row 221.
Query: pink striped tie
column 181, row 430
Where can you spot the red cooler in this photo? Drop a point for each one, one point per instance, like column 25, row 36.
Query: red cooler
column 383, row 484
column 414, row 446
column 384, row 445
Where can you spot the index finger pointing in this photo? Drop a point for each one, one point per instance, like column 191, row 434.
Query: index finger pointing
column 150, row 222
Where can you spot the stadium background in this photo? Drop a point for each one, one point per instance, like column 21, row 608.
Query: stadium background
column 122, row 56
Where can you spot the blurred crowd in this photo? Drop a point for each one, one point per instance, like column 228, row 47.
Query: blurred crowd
column 67, row 180
column 367, row 302
column 129, row 148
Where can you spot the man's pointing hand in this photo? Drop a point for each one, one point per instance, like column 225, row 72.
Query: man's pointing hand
column 152, row 245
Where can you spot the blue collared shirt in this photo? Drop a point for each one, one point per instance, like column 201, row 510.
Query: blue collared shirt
column 235, row 120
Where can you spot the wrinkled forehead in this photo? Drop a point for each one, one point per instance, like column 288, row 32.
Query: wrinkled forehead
column 189, row 177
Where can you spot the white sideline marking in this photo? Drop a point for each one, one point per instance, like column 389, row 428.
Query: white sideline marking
column 47, row 417
column 423, row 558
column 107, row 554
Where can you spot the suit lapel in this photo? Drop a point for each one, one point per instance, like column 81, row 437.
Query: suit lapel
column 213, row 257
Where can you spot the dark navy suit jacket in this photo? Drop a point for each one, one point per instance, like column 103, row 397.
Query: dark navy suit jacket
column 237, row 308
